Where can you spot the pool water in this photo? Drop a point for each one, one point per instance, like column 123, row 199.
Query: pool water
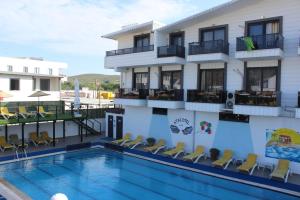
column 105, row 175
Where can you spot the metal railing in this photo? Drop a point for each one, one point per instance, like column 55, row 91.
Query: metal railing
column 265, row 98
column 199, row 96
column 130, row 50
column 214, row 46
column 171, row 50
column 268, row 41
column 127, row 93
column 298, row 99
column 167, row 95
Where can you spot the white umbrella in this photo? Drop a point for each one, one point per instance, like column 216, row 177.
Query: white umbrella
column 77, row 97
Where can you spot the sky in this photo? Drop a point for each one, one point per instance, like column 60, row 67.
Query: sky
column 70, row 30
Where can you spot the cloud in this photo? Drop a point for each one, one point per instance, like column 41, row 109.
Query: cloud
column 75, row 26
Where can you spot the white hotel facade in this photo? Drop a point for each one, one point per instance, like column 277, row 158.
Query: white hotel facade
column 195, row 81
column 20, row 77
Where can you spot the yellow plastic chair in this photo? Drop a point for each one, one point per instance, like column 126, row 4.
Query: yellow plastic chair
column 249, row 165
column 196, row 155
column 35, row 139
column 45, row 136
column 282, row 170
column 4, row 145
column 225, row 160
column 175, row 152
column 42, row 111
column 161, row 144
column 15, row 141
column 6, row 114
column 134, row 143
column 122, row 141
column 23, row 112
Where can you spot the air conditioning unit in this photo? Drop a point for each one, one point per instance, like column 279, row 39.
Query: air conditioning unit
column 230, row 100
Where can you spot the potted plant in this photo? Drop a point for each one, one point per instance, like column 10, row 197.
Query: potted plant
column 214, row 154
column 150, row 141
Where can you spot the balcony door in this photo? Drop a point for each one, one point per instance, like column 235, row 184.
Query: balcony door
column 262, row 79
column 141, row 41
column 177, row 39
column 213, row 38
column 171, row 80
column 140, row 81
column 211, row 80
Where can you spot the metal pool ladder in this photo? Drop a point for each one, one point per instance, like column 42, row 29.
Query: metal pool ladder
column 23, row 151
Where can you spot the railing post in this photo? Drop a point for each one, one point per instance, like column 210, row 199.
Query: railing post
column 86, row 120
column 53, row 136
column 23, row 139
column 64, row 129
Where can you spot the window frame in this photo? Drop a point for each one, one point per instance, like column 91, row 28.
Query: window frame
column 264, row 22
column 43, row 79
column 10, row 68
column 211, row 70
column 142, row 36
column 15, row 79
column 25, row 69
column 172, row 78
column 176, row 34
column 213, row 28
column 36, row 70
column 134, row 79
column 261, row 77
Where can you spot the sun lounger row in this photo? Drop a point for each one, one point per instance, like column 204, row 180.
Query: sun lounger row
column 15, row 143
column 248, row 166
column 24, row 113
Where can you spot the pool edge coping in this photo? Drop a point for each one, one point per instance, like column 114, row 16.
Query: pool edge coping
column 11, row 192
column 255, row 184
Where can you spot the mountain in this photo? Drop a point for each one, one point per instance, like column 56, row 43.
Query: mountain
column 90, row 79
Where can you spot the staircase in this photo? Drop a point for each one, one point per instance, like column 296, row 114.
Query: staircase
column 90, row 126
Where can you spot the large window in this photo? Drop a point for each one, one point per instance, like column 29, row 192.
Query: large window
column 262, row 79
column 177, row 39
column 142, row 40
column 212, row 80
column 45, row 84
column 9, row 68
column 140, row 81
column 263, row 27
column 212, row 34
column 14, row 84
column 25, row 69
column 171, row 80
column 33, row 84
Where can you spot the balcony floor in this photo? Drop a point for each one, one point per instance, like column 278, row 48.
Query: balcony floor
column 262, row 54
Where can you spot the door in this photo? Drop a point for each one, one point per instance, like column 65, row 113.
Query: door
column 119, row 127
column 110, row 126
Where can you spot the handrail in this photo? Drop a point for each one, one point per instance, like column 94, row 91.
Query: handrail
column 264, row 98
column 205, row 47
column 171, row 50
column 199, row 96
column 130, row 50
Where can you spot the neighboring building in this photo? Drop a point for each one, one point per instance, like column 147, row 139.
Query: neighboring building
column 20, row 77
column 226, row 78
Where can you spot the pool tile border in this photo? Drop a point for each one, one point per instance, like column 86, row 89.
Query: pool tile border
column 286, row 188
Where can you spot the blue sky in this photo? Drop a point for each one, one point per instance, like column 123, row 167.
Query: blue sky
column 70, row 30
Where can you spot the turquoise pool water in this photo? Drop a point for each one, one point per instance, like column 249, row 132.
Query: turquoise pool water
column 105, row 175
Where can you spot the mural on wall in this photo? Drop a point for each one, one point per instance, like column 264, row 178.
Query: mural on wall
column 181, row 125
column 283, row 143
column 205, row 127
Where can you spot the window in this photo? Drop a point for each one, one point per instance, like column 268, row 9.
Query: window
column 33, row 84
column 142, row 40
column 211, row 80
column 159, row 111
column 177, row 39
column 140, row 80
column 171, row 80
column 9, row 68
column 25, row 69
column 50, row 71
column 212, row 34
column 14, row 84
column 36, row 70
column 45, row 84
column 262, row 79
column 225, row 116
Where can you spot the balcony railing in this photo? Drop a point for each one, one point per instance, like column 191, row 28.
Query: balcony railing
column 166, row 95
column 266, row 98
column 130, row 50
column 269, row 41
column 298, row 99
column 132, row 93
column 198, row 96
column 169, row 51
column 214, row 46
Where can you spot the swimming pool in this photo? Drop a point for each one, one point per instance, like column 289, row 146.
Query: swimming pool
column 106, row 175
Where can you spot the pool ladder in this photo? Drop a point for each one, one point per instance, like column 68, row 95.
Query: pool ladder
column 23, row 151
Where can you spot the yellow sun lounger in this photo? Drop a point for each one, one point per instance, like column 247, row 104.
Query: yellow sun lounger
column 196, row 155
column 282, row 170
column 45, row 136
column 175, row 152
column 225, row 160
column 6, row 114
column 15, row 141
column 35, row 139
column 249, row 165
column 161, row 144
column 23, row 112
column 42, row 111
column 134, row 143
column 4, row 145
column 122, row 141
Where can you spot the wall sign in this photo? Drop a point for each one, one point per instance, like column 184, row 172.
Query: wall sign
column 181, row 125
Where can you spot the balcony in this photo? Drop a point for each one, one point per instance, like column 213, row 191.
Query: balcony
column 129, row 57
column 166, row 98
column 204, row 101
column 257, row 103
column 209, row 51
column 132, row 97
column 167, row 55
column 298, row 108
column 268, row 46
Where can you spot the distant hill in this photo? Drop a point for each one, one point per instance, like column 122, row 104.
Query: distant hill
column 89, row 79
